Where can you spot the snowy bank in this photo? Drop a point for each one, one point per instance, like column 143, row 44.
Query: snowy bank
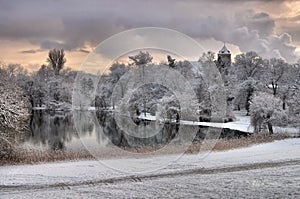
column 82, row 171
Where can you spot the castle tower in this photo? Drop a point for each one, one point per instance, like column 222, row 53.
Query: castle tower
column 224, row 58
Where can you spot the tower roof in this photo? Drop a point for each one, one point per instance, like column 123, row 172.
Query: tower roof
column 224, row 50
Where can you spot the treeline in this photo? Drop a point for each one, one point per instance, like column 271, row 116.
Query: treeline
column 268, row 89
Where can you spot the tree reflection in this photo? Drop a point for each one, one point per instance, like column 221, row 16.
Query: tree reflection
column 52, row 129
column 121, row 139
column 55, row 129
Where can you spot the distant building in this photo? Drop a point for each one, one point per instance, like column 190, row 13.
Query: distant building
column 224, row 58
column 223, row 63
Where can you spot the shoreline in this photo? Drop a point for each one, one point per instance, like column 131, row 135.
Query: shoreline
column 31, row 156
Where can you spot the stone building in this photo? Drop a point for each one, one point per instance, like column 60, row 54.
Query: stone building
column 224, row 59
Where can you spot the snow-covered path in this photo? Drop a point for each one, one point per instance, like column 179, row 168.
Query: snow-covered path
column 256, row 165
column 242, row 123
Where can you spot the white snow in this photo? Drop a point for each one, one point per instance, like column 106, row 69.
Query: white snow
column 242, row 123
column 39, row 108
column 90, row 170
column 148, row 116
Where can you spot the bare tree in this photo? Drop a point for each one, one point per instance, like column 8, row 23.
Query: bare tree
column 56, row 59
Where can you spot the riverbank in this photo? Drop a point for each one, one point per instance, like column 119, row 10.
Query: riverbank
column 28, row 155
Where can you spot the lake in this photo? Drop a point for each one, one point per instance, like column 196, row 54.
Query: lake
column 75, row 131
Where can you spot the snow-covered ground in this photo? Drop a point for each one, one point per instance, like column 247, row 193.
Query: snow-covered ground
column 242, row 123
column 263, row 167
column 274, row 182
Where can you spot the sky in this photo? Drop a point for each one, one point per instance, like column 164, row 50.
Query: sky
column 29, row 29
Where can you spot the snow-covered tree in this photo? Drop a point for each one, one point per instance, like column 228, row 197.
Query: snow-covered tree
column 87, row 86
column 292, row 94
column 274, row 74
column 246, row 73
column 48, row 90
column 14, row 114
column 147, row 97
column 168, row 107
column 141, row 58
column 244, row 94
column 248, row 65
column 107, row 83
column 209, row 56
column 265, row 109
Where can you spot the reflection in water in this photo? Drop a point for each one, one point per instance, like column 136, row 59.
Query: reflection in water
column 164, row 134
column 51, row 129
column 57, row 131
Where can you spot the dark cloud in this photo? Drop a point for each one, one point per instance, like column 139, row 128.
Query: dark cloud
column 72, row 25
column 290, row 25
column 29, row 51
column 261, row 22
column 283, row 44
column 46, row 45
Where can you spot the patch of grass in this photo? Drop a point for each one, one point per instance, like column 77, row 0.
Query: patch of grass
column 33, row 156
column 228, row 144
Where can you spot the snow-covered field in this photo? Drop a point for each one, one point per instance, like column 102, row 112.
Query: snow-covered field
column 278, row 182
column 265, row 170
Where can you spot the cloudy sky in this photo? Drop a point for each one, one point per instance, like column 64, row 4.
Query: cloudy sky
column 28, row 29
